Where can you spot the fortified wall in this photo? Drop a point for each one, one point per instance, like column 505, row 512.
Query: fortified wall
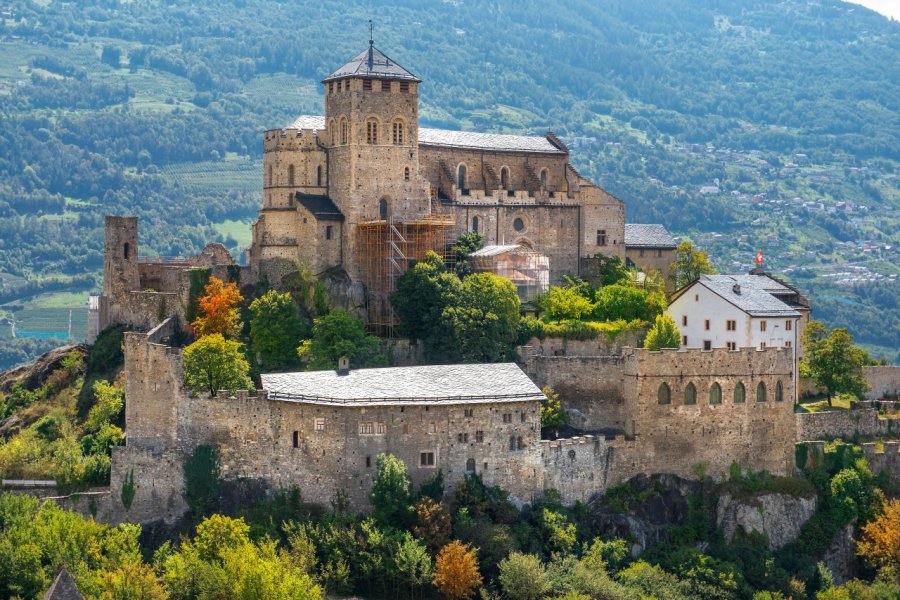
column 844, row 424
column 884, row 382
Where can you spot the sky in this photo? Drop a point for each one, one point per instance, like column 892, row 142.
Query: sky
column 889, row 8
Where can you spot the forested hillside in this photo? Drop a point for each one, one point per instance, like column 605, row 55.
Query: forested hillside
column 744, row 124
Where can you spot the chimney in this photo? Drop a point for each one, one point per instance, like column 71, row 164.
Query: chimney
column 343, row 365
column 736, row 288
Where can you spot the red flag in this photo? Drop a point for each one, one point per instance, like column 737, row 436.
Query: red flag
column 759, row 259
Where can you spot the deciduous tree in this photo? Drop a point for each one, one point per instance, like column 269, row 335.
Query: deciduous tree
column 213, row 363
column 275, row 329
column 690, row 263
column 663, row 334
column 832, row 361
column 217, row 310
column 552, row 413
column 432, row 524
column 523, row 577
column 559, row 303
column 880, row 540
column 456, row 572
column 390, row 495
column 335, row 335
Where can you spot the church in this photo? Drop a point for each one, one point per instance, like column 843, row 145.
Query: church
column 363, row 189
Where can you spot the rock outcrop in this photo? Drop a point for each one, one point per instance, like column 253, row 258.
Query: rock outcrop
column 33, row 375
column 779, row 517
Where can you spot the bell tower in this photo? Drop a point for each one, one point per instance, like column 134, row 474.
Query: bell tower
column 372, row 126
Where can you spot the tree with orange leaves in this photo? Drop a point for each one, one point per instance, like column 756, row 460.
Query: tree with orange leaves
column 880, row 541
column 217, row 310
column 456, row 571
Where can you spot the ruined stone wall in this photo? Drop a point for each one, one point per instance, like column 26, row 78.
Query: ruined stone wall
column 884, row 381
column 887, row 461
column 843, row 424
column 679, row 437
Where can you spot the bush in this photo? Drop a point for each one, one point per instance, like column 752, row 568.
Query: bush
column 523, row 577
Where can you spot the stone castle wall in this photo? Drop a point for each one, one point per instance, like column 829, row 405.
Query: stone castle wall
column 884, row 381
column 887, row 461
column 843, row 424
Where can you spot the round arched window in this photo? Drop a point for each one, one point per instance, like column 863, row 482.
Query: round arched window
column 519, row 224
column 475, row 224
column 383, row 209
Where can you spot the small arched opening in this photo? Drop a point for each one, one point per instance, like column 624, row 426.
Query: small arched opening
column 383, row 209
column 291, row 175
column 715, row 393
column 504, row 178
column 543, row 180
column 405, row 173
column 761, row 392
column 779, row 392
column 690, row 394
column 475, row 224
column 319, row 176
column 740, row 394
column 461, row 177
column 664, row 394
column 470, row 465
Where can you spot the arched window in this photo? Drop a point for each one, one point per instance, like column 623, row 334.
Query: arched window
column 474, row 224
column 519, row 444
column 664, row 394
column 290, row 174
column 715, row 394
column 543, row 180
column 690, row 394
column 398, row 132
column 371, row 131
column 740, row 394
column 344, row 130
column 405, row 173
column 383, row 209
column 761, row 392
column 779, row 392
column 461, row 177
column 504, row 178
column 319, row 176
column 470, row 465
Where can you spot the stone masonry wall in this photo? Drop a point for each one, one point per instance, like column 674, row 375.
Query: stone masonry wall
column 888, row 460
column 842, row 424
column 884, row 381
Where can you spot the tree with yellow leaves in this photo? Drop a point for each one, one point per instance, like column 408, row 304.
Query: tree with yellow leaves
column 880, row 541
column 217, row 310
column 456, row 572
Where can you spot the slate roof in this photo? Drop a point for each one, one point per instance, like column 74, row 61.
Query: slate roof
column 494, row 250
column 471, row 140
column 372, row 63
column 456, row 139
column 320, row 206
column 648, row 236
column 435, row 384
column 63, row 588
column 752, row 296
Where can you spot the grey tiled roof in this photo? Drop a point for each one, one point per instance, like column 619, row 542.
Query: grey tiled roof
column 63, row 588
column 320, row 206
column 436, row 384
column 648, row 236
column 372, row 63
column 486, row 141
column 456, row 139
column 751, row 296
column 762, row 282
column 494, row 250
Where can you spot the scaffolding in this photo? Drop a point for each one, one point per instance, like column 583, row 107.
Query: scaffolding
column 387, row 246
column 527, row 269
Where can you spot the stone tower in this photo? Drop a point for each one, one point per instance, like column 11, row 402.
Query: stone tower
column 372, row 127
column 120, row 257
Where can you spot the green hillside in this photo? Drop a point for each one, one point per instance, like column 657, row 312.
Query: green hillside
column 789, row 110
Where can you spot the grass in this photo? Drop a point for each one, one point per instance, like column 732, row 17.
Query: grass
column 238, row 230
column 240, row 173
column 841, row 402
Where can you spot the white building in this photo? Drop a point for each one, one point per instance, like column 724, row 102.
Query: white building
column 739, row 311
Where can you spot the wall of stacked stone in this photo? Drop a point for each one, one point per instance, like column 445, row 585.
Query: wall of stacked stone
column 887, row 461
column 158, row 476
column 580, row 467
column 681, row 438
column 843, row 424
column 884, row 381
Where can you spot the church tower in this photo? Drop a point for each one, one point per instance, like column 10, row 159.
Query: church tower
column 372, row 125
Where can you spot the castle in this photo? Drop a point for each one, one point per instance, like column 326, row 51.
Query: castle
column 350, row 197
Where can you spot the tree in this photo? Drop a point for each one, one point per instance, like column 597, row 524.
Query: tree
column 663, row 334
column 335, row 335
column 628, row 303
column 412, row 562
column 217, row 309
column 609, row 269
column 275, row 329
column 213, row 363
column 422, row 294
column 552, row 413
column 482, row 325
column 456, row 571
column 880, row 540
column 465, row 245
column 832, row 361
column 690, row 263
column 390, row 495
column 523, row 577
column 560, row 303
column 432, row 524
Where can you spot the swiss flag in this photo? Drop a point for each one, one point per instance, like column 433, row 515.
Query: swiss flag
column 759, row 259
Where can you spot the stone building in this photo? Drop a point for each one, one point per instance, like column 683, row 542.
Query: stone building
column 651, row 248
column 364, row 187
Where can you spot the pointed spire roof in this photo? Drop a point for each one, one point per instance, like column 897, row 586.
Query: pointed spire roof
column 63, row 588
column 373, row 64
